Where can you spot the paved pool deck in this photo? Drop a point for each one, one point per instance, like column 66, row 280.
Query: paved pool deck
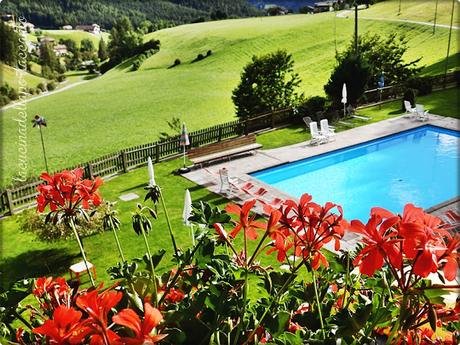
column 239, row 168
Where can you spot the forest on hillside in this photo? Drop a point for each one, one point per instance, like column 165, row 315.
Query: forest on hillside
column 55, row 13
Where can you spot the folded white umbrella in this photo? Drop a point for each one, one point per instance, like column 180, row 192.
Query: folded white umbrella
column 187, row 212
column 344, row 93
column 151, row 172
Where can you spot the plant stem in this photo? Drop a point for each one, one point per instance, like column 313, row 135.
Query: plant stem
column 82, row 251
column 168, row 222
column 285, row 285
column 313, row 275
column 347, row 274
column 21, row 318
column 152, row 268
column 117, row 241
column 254, row 255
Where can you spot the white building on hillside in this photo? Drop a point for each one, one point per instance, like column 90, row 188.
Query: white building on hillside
column 93, row 28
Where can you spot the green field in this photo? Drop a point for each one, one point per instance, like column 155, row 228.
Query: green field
column 124, row 108
column 10, row 75
column 417, row 10
column 76, row 35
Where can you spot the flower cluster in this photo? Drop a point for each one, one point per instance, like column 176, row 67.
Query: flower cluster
column 87, row 318
column 414, row 244
column 67, row 190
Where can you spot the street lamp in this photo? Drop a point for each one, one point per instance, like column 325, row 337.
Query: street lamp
column 40, row 122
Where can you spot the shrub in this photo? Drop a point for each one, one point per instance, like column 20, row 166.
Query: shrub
column 61, row 77
column 199, row 57
column 136, row 65
column 312, row 106
column 33, row 222
column 42, row 87
column 4, row 100
column 355, row 72
column 5, row 89
column 51, row 86
column 424, row 86
column 13, row 94
column 177, row 62
column 209, row 53
column 409, row 95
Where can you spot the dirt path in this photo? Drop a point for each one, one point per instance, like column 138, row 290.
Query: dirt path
column 44, row 94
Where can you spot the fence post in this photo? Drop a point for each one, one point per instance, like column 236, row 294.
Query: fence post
column 273, row 120
column 90, row 170
column 124, row 161
column 246, row 127
column 219, row 138
column 9, row 199
column 157, row 153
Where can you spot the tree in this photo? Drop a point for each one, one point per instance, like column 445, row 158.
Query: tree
column 123, row 40
column 102, row 51
column 86, row 45
column 268, row 83
column 385, row 55
column 355, row 72
column 70, row 44
column 9, row 41
column 48, row 59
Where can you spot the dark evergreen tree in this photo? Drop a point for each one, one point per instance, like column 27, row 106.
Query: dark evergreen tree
column 9, row 43
column 102, row 51
column 268, row 83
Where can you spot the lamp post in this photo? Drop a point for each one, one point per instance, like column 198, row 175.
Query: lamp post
column 448, row 44
column 40, row 122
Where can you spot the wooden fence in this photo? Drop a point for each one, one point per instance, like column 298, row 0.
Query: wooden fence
column 23, row 195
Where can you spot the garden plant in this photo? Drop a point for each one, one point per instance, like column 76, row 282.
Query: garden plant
column 324, row 291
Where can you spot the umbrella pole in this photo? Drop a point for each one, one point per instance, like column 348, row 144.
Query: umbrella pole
column 193, row 234
column 184, row 155
column 344, row 110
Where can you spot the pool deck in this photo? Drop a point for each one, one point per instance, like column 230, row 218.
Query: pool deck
column 239, row 168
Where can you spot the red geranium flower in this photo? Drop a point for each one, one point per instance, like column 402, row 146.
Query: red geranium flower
column 64, row 328
column 307, row 227
column 52, row 292
column 67, row 190
column 97, row 306
column 380, row 242
column 143, row 330
column 245, row 222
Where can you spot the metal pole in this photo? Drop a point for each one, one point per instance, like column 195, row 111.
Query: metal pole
column 399, row 10
column 435, row 17
column 43, row 147
column 335, row 30
column 356, row 29
column 448, row 44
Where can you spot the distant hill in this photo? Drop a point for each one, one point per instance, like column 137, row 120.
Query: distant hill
column 55, row 13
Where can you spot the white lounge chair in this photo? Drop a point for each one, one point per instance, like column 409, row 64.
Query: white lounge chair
column 410, row 112
column 316, row 137
column 307, row 120
column 421, row 113
column 327, row 130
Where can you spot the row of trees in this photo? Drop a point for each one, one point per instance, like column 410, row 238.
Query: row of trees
column 269, row 83
column 55, row 13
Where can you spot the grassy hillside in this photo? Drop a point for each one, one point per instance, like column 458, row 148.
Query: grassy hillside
column 8, row 75
column 415, row 10
column 124, row 108
column 76, row 35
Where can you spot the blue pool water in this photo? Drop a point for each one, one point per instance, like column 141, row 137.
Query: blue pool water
column 420, row 166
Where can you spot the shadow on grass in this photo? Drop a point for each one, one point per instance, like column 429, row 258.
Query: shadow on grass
column 33, row 264
column 439, row 67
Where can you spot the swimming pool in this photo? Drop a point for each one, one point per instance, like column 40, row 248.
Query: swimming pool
column 420, row 166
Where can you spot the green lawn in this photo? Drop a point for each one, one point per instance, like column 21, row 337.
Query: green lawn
column 123, row 108
column 23, row 256
column 76, row 35
column 10, row 75
column 415, row 10
column 443, row 103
